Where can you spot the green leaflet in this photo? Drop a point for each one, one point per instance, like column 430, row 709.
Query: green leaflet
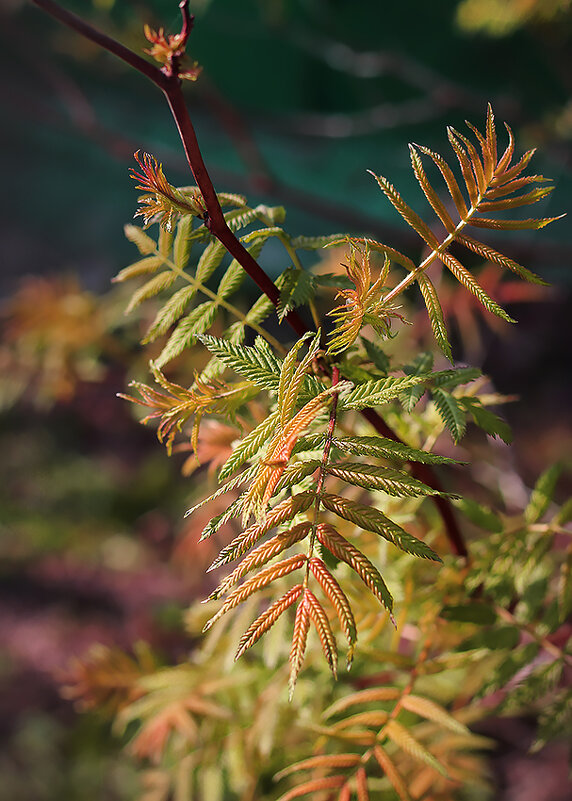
column 480, row 515
column 183, row 243
column 334, row 280
column 372, row 519
column 145, row 244
column 253, row 363
column 422, row 364
column 336, row 545
column 295, row 472
column 297, row 289
column 230, row 199
column 375, row 393
column 490, row 422
column 188, row 331
column 383, row 448
column 464, row 277
column 169, row 313
column 237, row 481
column 241, row 217
column 145, row 266
column 450, row 412
column 386, row 479
column 249, row 446
column 165, row 241
column 471, row 612
column 402, row 738
column 435, row 313
column 450, row 379
column 542, row 494
column 150, row 289
column 210, row 259
column 317, row 242
column 219, row 520
column 376, row 355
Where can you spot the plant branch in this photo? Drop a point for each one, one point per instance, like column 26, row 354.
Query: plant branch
column 169, row 82
column 103, row 40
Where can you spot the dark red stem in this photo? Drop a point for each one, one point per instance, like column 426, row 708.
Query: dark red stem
column 170, row 85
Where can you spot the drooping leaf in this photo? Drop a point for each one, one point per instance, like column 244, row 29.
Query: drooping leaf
column 349, row 554
column 146, row 266
column 153, row 287
column 299, row 641
column 450, row 412
column 435, row 313
column 403, row 738
column 491, row 423
column 480, row 515
column 338, row 600
column 256, row 583
column 471, row 612
column 298, row 288
column 145, row 244
column 372, row 519
column 267, row 619
column 322, row 625
column 188, row 332
column 395, row 778
column 169, row 313
column 249, row 446
column 426, row 708
column 542, row 494
column 377, row 356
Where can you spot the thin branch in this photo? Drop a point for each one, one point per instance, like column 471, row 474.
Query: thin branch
column 170, row 84
column 103, row 40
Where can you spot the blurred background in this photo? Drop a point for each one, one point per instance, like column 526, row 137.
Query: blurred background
column 296, row 100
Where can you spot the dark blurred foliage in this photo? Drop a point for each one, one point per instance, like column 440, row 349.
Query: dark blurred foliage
column 296, row 100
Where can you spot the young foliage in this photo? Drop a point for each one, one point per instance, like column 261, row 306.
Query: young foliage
column 324, row 498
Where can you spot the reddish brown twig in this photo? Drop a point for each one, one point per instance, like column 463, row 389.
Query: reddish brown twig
column 167, row 79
